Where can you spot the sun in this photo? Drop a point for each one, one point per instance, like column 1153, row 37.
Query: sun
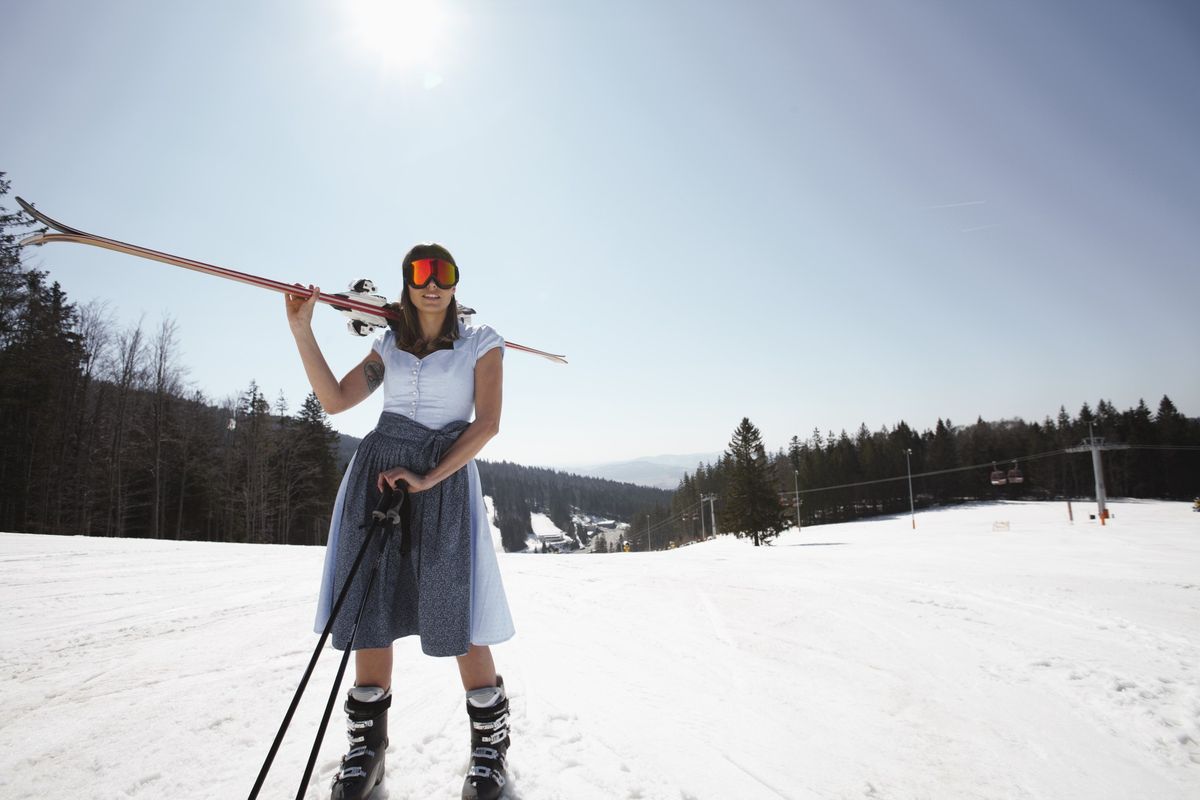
column 398, row 35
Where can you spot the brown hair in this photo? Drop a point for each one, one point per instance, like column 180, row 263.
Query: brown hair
column 408, row 329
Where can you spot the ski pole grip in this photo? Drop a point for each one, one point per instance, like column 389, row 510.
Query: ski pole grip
column 390, row 502
column 393, row 512
column 384, row 505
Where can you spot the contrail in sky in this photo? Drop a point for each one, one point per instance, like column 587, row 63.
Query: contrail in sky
column 981, row 227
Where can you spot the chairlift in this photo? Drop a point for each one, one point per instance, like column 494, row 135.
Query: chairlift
column 1014, row 474
column 999, row 477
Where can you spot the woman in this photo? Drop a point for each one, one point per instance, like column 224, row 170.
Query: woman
column 442, row 582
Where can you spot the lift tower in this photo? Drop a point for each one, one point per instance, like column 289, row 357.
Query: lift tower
column 1095, row 444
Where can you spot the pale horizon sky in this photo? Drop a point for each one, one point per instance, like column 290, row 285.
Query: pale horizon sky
column 811, row 214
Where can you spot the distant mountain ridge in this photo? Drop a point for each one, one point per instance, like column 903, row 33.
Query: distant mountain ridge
column 346, row 447
column 661, row 471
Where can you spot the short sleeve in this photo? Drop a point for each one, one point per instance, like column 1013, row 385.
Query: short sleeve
column 487, row 339
column 382, row 342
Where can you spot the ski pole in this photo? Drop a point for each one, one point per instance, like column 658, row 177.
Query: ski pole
column 387, row 509
column 393, row 518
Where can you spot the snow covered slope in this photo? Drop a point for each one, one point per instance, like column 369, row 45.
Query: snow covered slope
column 490, row 508
column 863, row 660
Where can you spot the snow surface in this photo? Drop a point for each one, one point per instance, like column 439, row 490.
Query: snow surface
column 545, row 535
column 490, row 509
column 542, row 525
column 861, row 660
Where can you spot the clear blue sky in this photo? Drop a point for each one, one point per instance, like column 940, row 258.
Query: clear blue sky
column 814, row 214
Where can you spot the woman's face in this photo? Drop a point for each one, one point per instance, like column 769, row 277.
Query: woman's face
column 432, row 299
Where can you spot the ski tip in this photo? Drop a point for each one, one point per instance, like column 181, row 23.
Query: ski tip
column 36, row 239
column 28, row 208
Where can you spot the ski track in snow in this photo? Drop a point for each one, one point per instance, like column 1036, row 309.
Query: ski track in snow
column 864, row 660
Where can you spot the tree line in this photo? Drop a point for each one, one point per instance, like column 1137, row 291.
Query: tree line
column 100, row 435
column 755, row 491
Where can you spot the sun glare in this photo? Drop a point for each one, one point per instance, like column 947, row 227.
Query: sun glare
column 398, row 35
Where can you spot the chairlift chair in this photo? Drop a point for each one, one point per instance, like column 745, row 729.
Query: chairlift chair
column 999, row 478
column 1014, row 474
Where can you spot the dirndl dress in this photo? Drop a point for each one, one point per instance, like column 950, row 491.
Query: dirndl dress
column 442, row 582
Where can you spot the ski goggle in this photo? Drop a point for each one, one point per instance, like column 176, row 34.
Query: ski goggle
column 419, row 273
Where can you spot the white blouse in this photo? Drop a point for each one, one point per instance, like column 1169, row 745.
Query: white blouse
column 439, row 388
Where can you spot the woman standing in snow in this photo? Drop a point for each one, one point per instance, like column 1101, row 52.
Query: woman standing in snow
column 444, row 583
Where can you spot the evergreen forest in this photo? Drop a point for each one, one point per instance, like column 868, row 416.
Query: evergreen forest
column 100, row 435
column 839, row 477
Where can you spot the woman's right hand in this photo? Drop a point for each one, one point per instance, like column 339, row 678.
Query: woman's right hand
column 300, row 308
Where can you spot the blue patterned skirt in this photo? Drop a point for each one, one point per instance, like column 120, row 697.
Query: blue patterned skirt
column 443, row 583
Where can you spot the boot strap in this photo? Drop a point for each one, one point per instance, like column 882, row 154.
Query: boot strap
column 495, row 738
column 490, row 724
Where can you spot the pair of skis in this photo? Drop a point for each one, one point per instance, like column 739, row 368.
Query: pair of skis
column 365, row 310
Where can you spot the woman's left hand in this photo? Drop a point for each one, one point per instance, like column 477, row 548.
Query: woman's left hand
column 399, row 475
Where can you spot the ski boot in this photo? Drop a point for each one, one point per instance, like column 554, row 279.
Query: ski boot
column 366, row 727
column 488, row 710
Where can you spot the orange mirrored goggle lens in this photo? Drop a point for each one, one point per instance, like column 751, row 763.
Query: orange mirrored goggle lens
column 422, row 271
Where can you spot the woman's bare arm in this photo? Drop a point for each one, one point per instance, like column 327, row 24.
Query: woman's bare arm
column 335, row 396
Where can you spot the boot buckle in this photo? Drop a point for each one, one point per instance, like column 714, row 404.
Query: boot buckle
column 495, row 738
column 356, row 752
column 488, row 774
column 350, row 772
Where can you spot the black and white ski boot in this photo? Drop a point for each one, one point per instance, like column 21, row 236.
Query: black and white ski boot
column 488, row 710
column 366, row 727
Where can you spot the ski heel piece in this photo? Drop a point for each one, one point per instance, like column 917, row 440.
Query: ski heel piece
column 363, row 323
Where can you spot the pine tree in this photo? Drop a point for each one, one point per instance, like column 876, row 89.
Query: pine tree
column 752, row 506
column 316, row 473
column 1085, row 414
column 943, row 455
column 12, row 279
column 1171, row 429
